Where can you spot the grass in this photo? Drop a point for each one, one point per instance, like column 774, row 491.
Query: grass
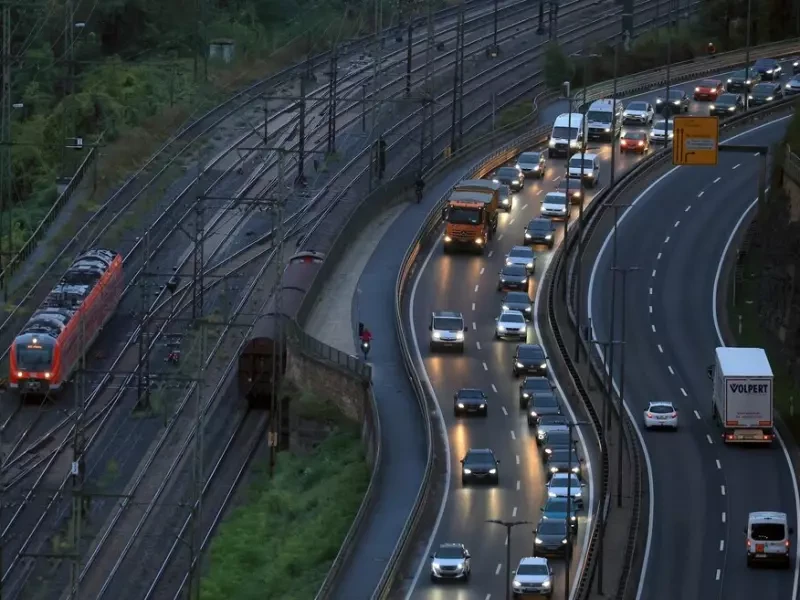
column 785, row 389
column 514, row 114
column 281, row 542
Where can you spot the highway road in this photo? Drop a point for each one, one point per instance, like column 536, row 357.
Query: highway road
column 676, row 233
column 467, row 284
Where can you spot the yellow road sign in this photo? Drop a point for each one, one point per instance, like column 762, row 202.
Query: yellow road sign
column 695, row 141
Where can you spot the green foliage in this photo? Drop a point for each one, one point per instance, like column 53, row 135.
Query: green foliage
column 281, row 543
column 558, row 67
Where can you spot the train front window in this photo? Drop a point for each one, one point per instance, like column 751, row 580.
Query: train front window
column 34, row 359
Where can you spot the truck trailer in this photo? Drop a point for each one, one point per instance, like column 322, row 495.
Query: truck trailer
column 742, row 402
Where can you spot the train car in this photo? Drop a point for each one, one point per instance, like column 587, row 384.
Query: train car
column 262, row 355
column 47, row 350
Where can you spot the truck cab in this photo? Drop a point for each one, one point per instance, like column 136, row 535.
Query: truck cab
column 470, row 215
column 767, row 534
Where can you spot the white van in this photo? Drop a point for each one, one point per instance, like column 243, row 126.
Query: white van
column 602, row 124
column 768, row 538
column 555, row 205
column 586, row 166
column 568, row 135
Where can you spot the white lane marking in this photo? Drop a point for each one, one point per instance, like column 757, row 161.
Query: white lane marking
column 671, row 372
column 488, row 597
column 708, row 437
column 724, row 517
column 736, row 166
column 539, row 193
column 473, row 306
column 511, row 221
column 476, row 289
column 683, row 391
column 717, row 180
column 485, row 367
column 660, row 349
column 556, row 179
column 478, row 344
column 505, row 412
column 677, row 223
column 721, row 545
column 722, row 343
column 518, row 484
column 482, row 270
column 687, row 208
column 722, row 489
column 718, row 575
column 524, row 206
column 514, row 512
column 719, row 465
column 517, row 458
column 490, row 254
column 653, row 327
column 657, row 258
column 756, row 154
column 499, row 237
column 651, row 291
column 494, row 389
column 506, row 540
column 497, row 570
column 475, row 328
column 666, row 241
column 700, row 195
column 697, row 414
column 651, row 309
column 513, row 435
column 654, row 271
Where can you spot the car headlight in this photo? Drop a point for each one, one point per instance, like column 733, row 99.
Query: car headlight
column 573, row 518
column 543, row 365
column 515, row 181
column 495, row 181
column 731, row 108
column 526, row 395
column 48, row 375
column 548, row 450
column 554, row 469
column 460, row 405
column 538, row 541
column 546, row 583
column 730, row 80
column 459, row 335
column 608, row 129
column 658, row 100
column 548, row 237
column 750, row 97
column 573, row 143
column 676, row 102
column 479, row 241
column 492, row 471
column 796, row 64
column 484, row 406
column 787, row 86
column 516, row 166
column 524, row 280
column 516, row 584
column 552, row 143
column 501, row 329
column 564, row 541
column 769, row 98
column 519, row 365
column 447, row 238
column 527, row 309
column 536, row 168
column 575, row 469
column 769, row 71
column 505, row 200
column 529, row 265
column 502, row 280
column 551, row 494
column 505, row 307
column 697, row 89
column 437, row 335
column 19, row 373
column 748, row 82
column 533, row 413
column 467, row 471
column 711, row 107
column 578, row 494
column 527, row 235
column 540, row 435
column 435, row 566
column 508, row 262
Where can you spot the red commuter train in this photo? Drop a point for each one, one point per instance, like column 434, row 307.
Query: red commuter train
column 47, row 350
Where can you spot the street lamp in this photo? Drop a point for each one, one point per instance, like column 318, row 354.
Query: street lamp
column 495, row 49
column 749, row 25
column 540, row 28
column 509, row 525
column 667, row 102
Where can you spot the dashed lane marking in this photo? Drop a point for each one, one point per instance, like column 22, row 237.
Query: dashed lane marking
column 478, row 344
column 499, row 237
column 736, row 166
column 718, row 575
column 687, row 208
column 666, row 241
column 683, row 391
column 700, row 195
column 505, row 412
column 651, row 309
column 722, row 489
column 514, row 512
column 654, row 271
column 485, row 368
column 721, row 545
column 473, row 306
column 497, row 570
column 718, row 179
column 482, row 270
column 651, row 291
column 513, row 435
column 518, row 484
column 697, row 414
column 719, row 465
column 677, row 223
column 475, row 328
column 511, row 221
column 660, row 349
column 524, row 206
column 708, row 437
column 517, row 458
column 490, row 253
column 657, row 258
column 724, row 517
column 494, row 389
column 476, row 289
column 653, row 327
column 671, row 372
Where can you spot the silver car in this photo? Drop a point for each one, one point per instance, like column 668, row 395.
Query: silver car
column 563, row 484
column 450, row 561
column 511, row 324
column 638, row 112
column 533, row 576
column 792, row 87
column 659, row 130
column 522, row 255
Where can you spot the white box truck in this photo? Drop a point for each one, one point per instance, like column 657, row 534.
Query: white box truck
column 742, row 398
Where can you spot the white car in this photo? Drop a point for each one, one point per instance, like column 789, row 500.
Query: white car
column 661, row 414
column 522, row 255
column 533, row 576
column 555, row 204
column 561, row 482
column 793, row 87
column 450, row 561
column 657, row 132
column 638, row 112
column 511, row 324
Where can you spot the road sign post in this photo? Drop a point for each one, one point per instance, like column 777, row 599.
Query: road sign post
column 695, row 141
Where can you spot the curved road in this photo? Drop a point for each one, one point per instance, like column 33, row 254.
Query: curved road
column 467, row 284
column 676, row 233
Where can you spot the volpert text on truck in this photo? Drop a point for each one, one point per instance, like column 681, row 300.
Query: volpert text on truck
column 470, row 215
column 742, row 397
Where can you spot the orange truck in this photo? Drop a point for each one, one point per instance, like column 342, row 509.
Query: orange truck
column 470, row 215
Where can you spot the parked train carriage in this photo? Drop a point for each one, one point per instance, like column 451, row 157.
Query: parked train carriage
column 259, row 356
column 47, row 350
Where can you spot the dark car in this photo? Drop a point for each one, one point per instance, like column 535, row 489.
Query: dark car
column 551, row 537
column 708, row 89
column 557, row 439
column 529, row 359
column 768, row 68
column 530, row 385
column 572, row 188
column 556, row 509
column 479, row 465
column 742, row 81
column 548, row 423
column 764, row 93
column 678, row 102
column 532, row 164
column 634, row 141
column 564, row 461
column 518, row 301
column 540, row 230
column 513, row 277
column 542, row 403
column 510, row 176
column 726, row 105
column 470, row 400
column 506, row 199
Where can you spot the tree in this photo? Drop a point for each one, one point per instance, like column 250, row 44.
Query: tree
column 558, row 67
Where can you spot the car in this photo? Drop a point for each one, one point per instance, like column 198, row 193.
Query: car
column 510, row 176
column 571, row 187
column 541, row 403
column 563, row 485
column 532, row 164
column 742, row 81
column 634, row 141
column 562, row 460
column 638, row 113
column 678, row 102
column 518, row 301
column 551, row 537
column 661, row 415
column 512, row 277
column 657, row 133
column 530, row 385
column 522, row 255
column 792, row 86
column 556, row 508
column 447, row 330
column 511, row 324
column 470, row 400
column 529, row 359
column 585, row 166
column 556, row 439
column 451, row 561
column 768, row 68
column 548, row 424
column 708, row 89
column 479, row 464
column 767, row 534
column 796, row 67
column 506, row 199
column 533, row 575
column 726, row 105
column 540, row 230
column 763, row 93
column 555, row 204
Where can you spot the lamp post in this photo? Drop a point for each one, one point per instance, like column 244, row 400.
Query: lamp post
column 540, row 28
column 494, row 50
column 509, row 525
column 749, row 26
column 613, row 308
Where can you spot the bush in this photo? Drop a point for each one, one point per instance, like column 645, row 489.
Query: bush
column 558, row 67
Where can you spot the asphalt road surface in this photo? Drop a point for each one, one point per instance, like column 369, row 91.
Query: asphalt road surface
column 703, row 490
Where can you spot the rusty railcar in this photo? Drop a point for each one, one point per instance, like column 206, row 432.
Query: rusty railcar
column 263, row 356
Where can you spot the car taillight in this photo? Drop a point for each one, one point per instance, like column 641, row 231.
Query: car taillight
column 767, row 437
column 787, row 543
column 649, row 415
column 673, row 415
column 748, row 543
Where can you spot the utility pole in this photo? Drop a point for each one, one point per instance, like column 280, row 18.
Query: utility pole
column 456, row 72
column 408, row 56
column 199, row 260
column 198, row 477
column 667, row 101
column 461, row 83
column 333, row 81
column 749, row 25
column 427, row 93
column 613, row 315
column 143, row 372
column 6, row 173
column 301, row 130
